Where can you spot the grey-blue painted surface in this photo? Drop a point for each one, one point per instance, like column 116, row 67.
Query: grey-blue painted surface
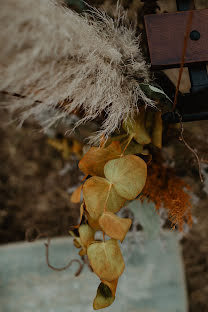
column 153, row 280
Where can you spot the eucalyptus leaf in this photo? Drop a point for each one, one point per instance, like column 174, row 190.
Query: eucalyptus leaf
column 136, row 128
column 154, row 92
column 95, row 159
column 76, row 195
column 100, row 195
column 114, row 226
column 127, row 174
column 106, row 259
column 104, row 297
column 86, row 234
column 93, row 222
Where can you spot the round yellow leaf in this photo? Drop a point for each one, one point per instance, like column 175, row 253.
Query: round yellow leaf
column 100, row 195
column 114, row 226
column 86, row 234
column 106, row 259
column 128, row 175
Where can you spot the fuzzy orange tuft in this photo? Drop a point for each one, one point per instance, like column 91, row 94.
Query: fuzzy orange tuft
column 163, row 187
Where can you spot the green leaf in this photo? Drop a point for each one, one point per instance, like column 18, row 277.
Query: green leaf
column 154, row 92
column 78, row 4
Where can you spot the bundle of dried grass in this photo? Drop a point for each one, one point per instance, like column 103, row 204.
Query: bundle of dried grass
column 61, row 61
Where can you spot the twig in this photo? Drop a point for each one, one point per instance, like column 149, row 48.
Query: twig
column 41, row 235
column 29, row 233
column 66, row 266
column 185, row 44
column 130, row 138
column 181, row 138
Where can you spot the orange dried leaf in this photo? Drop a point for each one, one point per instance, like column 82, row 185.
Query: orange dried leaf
column 95, row 159
column 106, row 259
column 77, row 148
column 93, row 223
column 80, row 218
column 76, row 195
column 114, row 226
column 127, row 174
column 100, row 195
column 83, row 252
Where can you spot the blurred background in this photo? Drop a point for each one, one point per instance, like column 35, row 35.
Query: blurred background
column 36, row 179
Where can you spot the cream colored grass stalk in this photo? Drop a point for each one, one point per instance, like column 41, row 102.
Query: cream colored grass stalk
column 52, row 55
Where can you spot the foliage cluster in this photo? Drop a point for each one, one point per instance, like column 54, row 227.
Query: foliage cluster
column 116, row 172
column 114, row 175
column 115, row 178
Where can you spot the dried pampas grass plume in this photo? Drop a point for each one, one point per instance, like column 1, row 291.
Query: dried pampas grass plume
column 61, row 61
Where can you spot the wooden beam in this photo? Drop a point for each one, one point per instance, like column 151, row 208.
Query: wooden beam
column 165, row 33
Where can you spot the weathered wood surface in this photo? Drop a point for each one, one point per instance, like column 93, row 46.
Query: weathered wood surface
column 165, row 33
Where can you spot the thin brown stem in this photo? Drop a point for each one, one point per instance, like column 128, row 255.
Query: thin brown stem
column 127, row 144
column 30, row 232
column 181, row 138
column 66, row 266
column 110, row 186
